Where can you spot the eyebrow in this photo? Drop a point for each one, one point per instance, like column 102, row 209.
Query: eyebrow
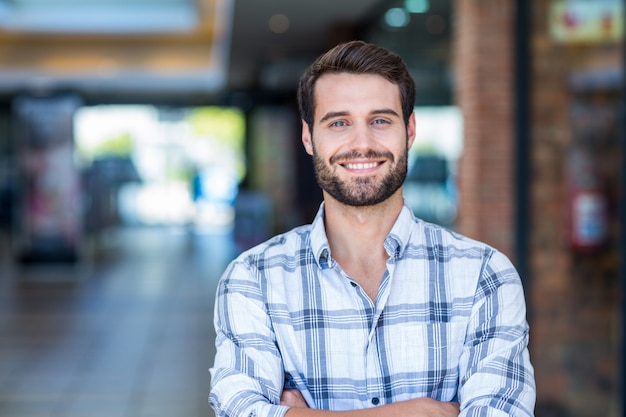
column 333, row 114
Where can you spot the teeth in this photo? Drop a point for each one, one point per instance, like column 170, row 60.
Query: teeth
column 362, row 166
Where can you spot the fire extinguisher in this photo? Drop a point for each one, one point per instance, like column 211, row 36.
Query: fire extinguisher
column 587, row 202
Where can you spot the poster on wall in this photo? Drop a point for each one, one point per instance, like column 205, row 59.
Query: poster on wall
column 49, row 221
column 592, row 171
column 587, row 21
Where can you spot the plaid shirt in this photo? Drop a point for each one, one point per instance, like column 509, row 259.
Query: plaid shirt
column 449, row 323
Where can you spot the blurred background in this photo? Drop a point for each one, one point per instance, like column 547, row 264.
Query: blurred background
column 145, row 143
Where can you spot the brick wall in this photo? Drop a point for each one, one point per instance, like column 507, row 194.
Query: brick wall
column 483, row 53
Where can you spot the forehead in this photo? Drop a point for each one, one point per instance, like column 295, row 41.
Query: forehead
column 346, row 91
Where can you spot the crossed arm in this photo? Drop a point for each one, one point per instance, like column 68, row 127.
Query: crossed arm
column 419, row 407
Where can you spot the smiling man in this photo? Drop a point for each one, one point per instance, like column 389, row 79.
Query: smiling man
column 368, row 311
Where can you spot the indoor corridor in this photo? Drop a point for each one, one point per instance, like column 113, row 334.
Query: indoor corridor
column 127, row 333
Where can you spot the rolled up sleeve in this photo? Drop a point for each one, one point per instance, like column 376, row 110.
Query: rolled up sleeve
column 247, row 375
column 496, row 375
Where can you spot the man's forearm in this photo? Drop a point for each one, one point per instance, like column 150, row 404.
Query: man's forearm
column 419, row 407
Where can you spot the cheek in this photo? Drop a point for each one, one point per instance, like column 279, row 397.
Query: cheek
column 319, row 149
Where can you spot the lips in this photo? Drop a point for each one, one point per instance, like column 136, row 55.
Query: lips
column 358, row 161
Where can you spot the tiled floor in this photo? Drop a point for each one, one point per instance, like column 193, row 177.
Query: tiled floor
column 128, row 333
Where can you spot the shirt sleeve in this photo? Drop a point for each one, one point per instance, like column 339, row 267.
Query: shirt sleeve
column 247, row 375
column 496, row 376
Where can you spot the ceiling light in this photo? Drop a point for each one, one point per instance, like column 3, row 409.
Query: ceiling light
column 396, row 17
column 416, row 6
column 279, row 23
column 98, row 16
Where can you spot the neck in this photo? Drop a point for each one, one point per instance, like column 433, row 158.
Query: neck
column 360, row 231
column 356, row 236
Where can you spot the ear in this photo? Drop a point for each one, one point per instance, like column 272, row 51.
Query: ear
column 410, row 131
column 306, row 138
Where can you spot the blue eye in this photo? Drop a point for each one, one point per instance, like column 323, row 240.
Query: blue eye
column 380, row 121
column 338, row 123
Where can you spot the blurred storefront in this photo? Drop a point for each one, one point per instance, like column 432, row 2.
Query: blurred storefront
column 577, row 114
column 49, row 226
column 541, row 87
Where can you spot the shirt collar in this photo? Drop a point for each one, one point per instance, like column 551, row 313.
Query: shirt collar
column 395, row 242
column 400, row 234
column 319, row 241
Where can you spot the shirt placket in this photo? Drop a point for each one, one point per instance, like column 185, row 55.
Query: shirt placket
column 376, row 372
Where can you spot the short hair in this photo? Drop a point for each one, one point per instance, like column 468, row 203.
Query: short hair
column 356, row 57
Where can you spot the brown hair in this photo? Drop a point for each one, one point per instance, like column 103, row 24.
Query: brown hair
column 356, row 57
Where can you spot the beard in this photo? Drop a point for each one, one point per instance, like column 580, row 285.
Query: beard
column 361, row 191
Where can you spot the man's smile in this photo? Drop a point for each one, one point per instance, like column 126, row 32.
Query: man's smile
column 361, row 165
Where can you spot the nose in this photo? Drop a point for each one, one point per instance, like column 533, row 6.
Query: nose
column 362, row 137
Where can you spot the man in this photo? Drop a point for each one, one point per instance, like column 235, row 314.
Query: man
column 368, row 311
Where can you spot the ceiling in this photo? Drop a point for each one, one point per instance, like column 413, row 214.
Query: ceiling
column 262, row 58
column 255, row 45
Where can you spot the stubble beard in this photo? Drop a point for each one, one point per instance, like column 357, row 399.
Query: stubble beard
column 361, row 191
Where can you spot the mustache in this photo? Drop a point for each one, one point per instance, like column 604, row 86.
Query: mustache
column 371, row 154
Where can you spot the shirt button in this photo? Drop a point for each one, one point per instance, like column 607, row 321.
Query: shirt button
column 375, row 400
column 353, row 284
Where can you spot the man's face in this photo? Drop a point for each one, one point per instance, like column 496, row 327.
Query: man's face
column 360, row 143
